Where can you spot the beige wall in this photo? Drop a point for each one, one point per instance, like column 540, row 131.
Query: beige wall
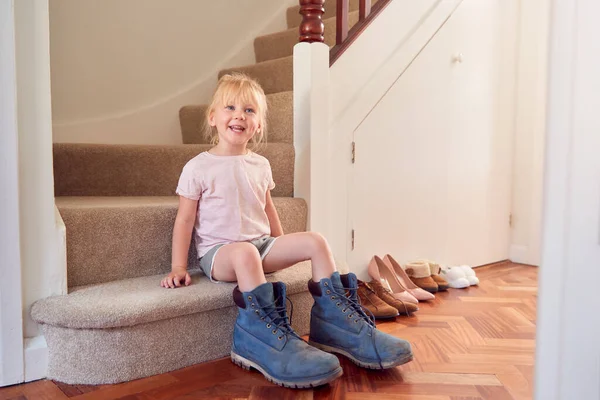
column 121, row 69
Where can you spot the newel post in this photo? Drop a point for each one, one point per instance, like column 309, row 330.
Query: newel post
column 312, row 28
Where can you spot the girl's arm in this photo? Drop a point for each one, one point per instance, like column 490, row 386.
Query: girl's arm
column 182, row 236
column 276, row 229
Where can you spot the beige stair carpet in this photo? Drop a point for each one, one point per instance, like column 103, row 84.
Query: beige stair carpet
column 141, row 170
column 113, row 238
column 124, row 330
column 116, row 322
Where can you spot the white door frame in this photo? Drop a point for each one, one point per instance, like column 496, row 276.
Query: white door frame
column 11, row 318
column 568, row 351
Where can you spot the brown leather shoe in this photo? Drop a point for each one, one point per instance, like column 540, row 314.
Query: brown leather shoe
column 370, row 301
column 403, row 307
column 420, row 274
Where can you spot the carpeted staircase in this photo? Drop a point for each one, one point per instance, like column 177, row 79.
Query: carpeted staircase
column 118, row 205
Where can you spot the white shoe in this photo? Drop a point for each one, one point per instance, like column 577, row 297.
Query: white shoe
column 470, row 275
column 456, row 277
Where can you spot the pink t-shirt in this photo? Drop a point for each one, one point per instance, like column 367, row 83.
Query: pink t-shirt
column 232, row 194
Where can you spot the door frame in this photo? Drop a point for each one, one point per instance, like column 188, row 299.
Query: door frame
column 11, row 318
column 567, row 363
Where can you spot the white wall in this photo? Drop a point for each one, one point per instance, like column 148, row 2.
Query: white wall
column 529, row 132
column 568, row 350
column 358, row 79
column 432, row 176
column 122, row 69
column 11, row 321
column 435, row 146
column 43, row 272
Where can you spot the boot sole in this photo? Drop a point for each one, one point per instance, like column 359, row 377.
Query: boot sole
column 363, row 364
column 309, row 383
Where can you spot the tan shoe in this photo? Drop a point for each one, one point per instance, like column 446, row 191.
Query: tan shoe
column 369, row 300
column 403, row 307
column 416, row 291
column 420, row 274
column 436, row 269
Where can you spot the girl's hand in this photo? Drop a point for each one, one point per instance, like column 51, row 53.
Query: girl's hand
column 176, row 278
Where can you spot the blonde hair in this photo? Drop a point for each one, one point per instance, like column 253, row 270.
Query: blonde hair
column 238, row 87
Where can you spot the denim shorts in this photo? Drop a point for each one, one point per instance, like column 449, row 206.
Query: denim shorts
column 207, row 261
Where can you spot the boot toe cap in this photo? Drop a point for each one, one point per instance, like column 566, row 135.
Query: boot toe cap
column 396, row 351
column 314, row 362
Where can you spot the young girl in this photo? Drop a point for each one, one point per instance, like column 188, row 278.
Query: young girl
column 224, row 197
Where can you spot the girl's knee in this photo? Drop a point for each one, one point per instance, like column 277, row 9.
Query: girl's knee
column 317, row 242
column 245, row 255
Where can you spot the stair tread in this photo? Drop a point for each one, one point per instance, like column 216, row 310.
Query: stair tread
column 113, row 201
column 135, row 301
column 108, row 237
column 134, row 201
column 145, row 170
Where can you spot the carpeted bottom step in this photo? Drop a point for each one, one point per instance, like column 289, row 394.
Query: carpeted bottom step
column 133, row 328
column 113, row 238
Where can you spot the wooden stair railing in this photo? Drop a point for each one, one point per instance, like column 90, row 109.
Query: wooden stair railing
column 312, row 28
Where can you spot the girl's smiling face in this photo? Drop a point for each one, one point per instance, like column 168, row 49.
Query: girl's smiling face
column 236, row 122
column 237, row 114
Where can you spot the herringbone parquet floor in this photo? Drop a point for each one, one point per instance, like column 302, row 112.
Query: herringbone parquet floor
column 469, row 344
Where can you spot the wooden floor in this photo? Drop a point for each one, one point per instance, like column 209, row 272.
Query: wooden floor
column 470, row 344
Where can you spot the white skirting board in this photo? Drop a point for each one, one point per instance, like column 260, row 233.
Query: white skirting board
column 519, row 254
column 36, row 358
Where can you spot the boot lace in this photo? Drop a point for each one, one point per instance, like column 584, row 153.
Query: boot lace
column 279, row 323
column 350, row 303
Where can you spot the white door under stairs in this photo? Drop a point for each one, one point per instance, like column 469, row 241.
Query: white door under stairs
column 432, row 176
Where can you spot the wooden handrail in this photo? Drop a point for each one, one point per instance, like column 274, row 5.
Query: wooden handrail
column 312, row 28
column 366, row 15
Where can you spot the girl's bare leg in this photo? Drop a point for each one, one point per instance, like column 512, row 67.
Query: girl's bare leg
column 295, row 247
column 239, row 262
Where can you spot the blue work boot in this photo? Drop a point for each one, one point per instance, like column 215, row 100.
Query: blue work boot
column 263, row 339
column 339, row 325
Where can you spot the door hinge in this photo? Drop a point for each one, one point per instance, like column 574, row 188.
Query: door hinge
column 353, row 152
column 352, row 240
